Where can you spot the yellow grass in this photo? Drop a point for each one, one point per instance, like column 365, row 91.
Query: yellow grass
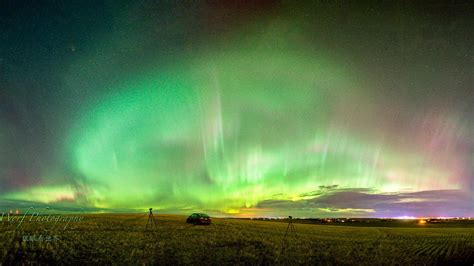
column 121, row 239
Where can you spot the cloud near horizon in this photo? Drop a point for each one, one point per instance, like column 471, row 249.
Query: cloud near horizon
column 368, row 203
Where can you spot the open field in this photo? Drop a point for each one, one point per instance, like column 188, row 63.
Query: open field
column 121, row 239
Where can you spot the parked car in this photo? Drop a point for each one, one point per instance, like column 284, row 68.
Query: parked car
column 199, row 218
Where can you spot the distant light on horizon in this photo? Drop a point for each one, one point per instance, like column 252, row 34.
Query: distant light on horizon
column 405, row 217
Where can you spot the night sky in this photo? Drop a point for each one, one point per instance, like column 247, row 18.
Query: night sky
column 245, row 109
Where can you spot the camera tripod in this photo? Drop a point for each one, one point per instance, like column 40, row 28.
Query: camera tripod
column 290, row 229
column 151, row 220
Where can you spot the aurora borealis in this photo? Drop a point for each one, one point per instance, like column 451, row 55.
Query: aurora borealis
column 262, row 109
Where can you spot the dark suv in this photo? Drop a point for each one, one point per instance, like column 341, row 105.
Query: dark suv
column 199, row 218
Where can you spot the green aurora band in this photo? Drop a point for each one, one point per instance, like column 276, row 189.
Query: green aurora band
column 263, row 118
column 227, row 133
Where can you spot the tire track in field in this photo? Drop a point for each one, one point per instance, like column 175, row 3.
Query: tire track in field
column 444, row 248
column 439, row 250
column 425, row 245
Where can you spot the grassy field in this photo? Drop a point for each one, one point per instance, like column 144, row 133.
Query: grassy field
column 121, row 239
